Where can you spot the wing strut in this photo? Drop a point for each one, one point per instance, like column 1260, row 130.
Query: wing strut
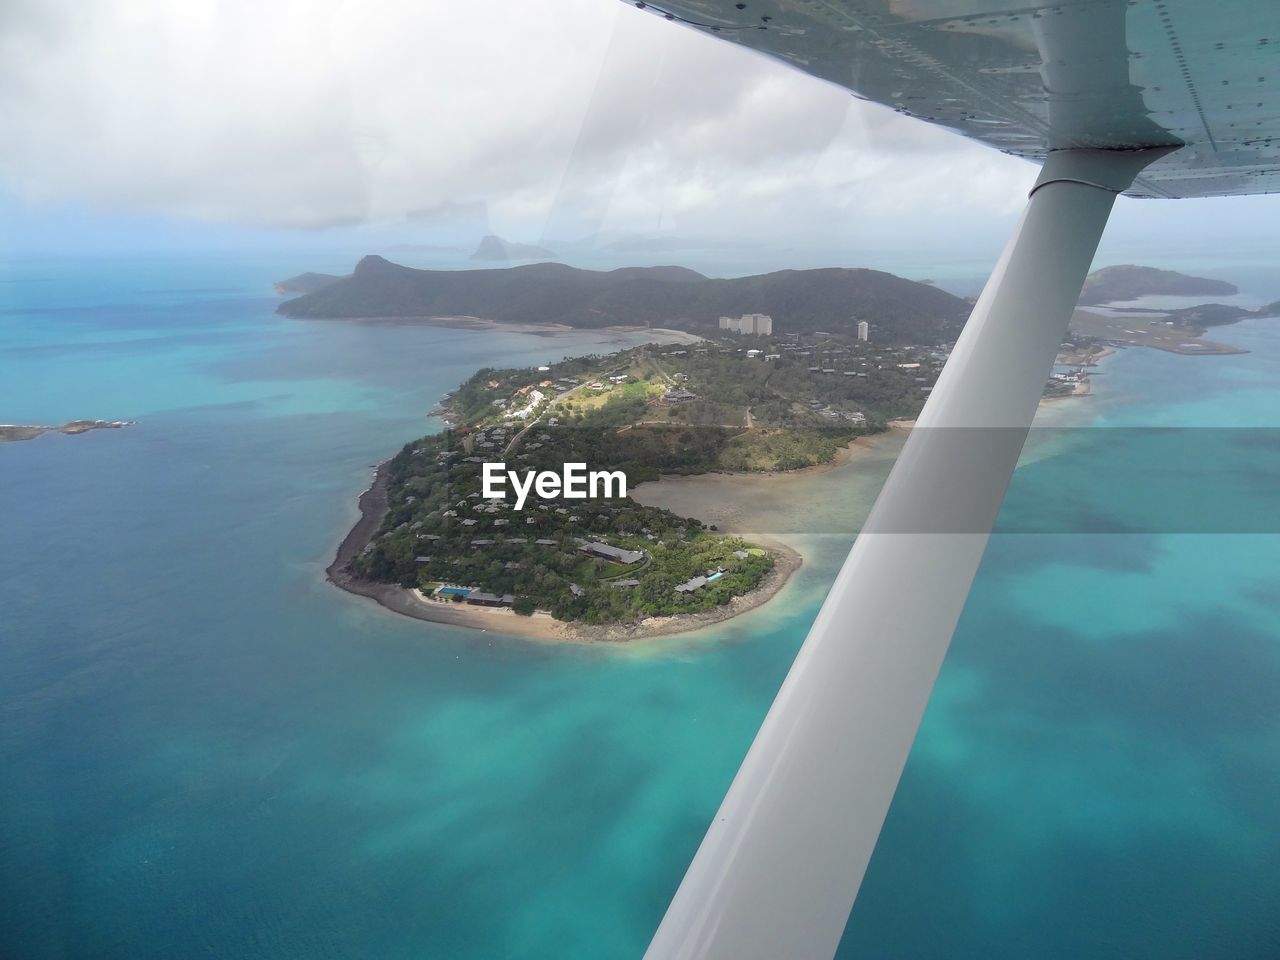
column 776, row 875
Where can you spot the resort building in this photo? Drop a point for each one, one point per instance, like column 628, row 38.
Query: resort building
column 482, row 599
column 689, row 586
column 613, row 554
column 535, row 398
column 864, row 330
column 749, row 324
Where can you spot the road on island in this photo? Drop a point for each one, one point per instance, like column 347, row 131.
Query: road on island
column 533, row 423
column 515, row 441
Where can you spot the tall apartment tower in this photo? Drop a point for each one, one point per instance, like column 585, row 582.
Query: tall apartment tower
column 864, row 330
column 749, row 324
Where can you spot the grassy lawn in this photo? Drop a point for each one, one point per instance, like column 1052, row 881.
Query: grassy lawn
column 593, row 399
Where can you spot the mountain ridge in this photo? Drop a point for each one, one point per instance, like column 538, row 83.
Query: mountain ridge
column 829, row 298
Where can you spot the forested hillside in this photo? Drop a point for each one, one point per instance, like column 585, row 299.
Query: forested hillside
column 800, row 301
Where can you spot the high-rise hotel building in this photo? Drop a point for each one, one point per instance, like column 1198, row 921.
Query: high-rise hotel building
column 749, row 324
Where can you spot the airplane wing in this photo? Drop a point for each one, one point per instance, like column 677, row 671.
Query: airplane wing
column 1031, row 77
column 1151, row 98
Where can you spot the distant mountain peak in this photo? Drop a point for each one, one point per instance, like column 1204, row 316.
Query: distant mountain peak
column 493, row 247
column 372, row 265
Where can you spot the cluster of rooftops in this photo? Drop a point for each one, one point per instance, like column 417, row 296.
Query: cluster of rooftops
column 595, row 549
column 474, row 595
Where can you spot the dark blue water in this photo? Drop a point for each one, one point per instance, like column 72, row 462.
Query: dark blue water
column 208, row 752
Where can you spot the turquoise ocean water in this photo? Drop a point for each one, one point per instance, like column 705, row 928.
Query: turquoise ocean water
column 208, row 752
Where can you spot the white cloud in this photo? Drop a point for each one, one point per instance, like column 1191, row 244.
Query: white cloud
column 557, row 117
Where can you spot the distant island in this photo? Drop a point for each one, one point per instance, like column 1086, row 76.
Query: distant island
column 1177, row 330
column 1202, row 316
column 430, row 544
column 1128, row 282
column 11, row 432
column 306, row 283
column 831, row 300
column 553, row 296
column 495, row 248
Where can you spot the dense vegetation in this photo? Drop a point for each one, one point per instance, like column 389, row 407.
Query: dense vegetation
column 739, row 403
column 811, row 300
column 436, row 516
column 646, row 411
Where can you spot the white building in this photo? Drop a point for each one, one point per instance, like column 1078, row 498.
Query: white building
column 535, row 398
column 749, row 324
column 864, row 330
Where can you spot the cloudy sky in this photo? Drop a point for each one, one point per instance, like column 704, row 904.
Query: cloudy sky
column 565, row 122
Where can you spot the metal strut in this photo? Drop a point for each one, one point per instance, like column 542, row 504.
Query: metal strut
column 777, row 873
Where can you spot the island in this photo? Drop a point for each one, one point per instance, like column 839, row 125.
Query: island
column 1129, row 282
column 1110, row 323
column 431, row 544
column 495, row 248
column 11, row 432
column 556, row 297
column 833, row 299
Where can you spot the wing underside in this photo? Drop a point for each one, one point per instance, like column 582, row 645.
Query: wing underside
column 1031, row 77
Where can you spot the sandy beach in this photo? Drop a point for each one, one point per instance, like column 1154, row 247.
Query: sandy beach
column 660, row 334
